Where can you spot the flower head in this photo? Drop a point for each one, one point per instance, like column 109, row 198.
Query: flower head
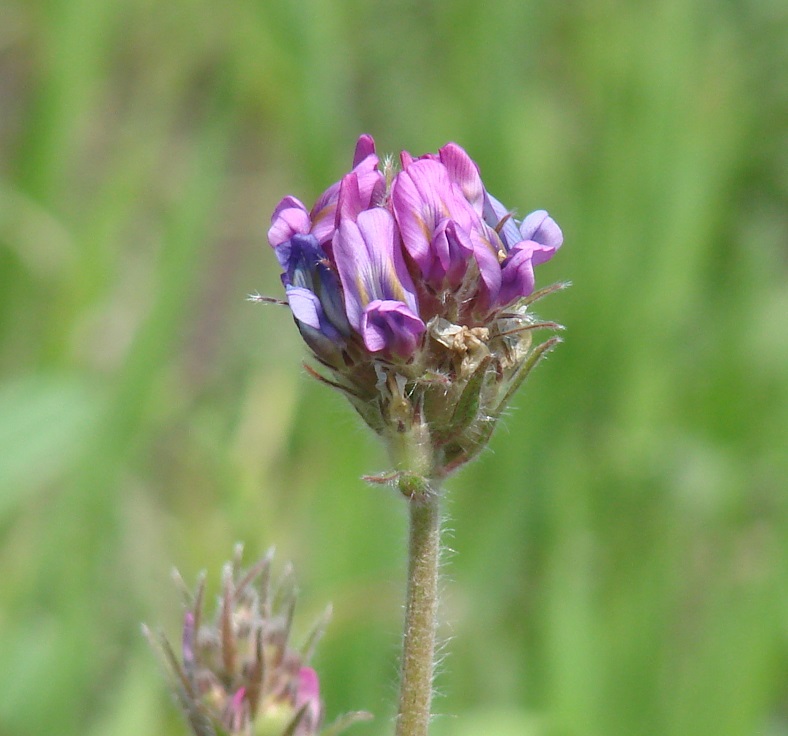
column 413, row 288
column 237, row 674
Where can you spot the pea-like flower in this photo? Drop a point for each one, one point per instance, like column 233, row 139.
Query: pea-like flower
column 412, row 287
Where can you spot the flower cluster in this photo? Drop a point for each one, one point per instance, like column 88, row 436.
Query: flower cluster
column 237, row 674
column 412, row 287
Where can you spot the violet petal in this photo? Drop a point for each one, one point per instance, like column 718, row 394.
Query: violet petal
column 392, row 327
column 517, row 271
column 464, row 173
column 370, row 263
column 423, row 196
column 541, row 228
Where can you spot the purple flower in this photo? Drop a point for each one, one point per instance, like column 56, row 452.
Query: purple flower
column 448, row 220
column 438, row 205
column 313, row 293
column 410, row 288
column 380, row 298
column 292, row 217
column 435, row 221
column 541, row 238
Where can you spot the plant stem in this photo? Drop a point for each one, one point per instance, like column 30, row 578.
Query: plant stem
column 421, row 609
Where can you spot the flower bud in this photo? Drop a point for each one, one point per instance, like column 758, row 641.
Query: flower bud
column 238, row 674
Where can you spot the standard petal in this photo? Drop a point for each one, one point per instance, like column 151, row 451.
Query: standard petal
column 388, row 277
column 323, row 214
column 423, row 196
column 370, row 263
column 350, row 203
column 371, row 188
column 464, row 173
column 352, row 259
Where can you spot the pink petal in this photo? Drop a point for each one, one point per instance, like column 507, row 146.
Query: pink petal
column 465, row 174
column 365, row 146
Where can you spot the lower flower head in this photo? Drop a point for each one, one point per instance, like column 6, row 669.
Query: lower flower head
column 238, row 673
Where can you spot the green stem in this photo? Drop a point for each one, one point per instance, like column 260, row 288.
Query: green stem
column 421, row 609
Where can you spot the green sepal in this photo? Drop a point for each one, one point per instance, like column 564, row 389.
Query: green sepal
column 528, row 365
column 466, row 410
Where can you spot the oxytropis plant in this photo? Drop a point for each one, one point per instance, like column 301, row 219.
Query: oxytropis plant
column 412, row 286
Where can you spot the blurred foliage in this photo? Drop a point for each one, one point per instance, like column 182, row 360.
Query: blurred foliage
column 621, row 549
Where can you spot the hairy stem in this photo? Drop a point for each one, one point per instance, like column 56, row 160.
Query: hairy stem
column 421, row 609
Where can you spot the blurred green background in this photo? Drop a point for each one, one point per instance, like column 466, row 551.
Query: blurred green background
column 620, row 563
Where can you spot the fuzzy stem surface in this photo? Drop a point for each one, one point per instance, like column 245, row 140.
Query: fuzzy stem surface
column 421, row 613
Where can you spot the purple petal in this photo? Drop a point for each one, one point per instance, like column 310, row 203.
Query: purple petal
column 308, row 687
column 371, row 182
column 289, row 218
column 496, row 213
column 541, row 228
column 365, row 146
column 452, row 249
column 323, row 214
column 405, row 160
column 286, row 203
column 485, row 251
column 237, row 711
column 392, row 327
column 371, row 188
column 423, row 196
column 310, row 311
column 313, row 324
column 370, row 263
column 350, row 203
column 517, row 271
column 238, row 699
column 305, row 306
column 464, row 173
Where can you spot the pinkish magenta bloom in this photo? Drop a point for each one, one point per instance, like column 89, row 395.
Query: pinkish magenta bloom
column 388, row 325
column 438, row 209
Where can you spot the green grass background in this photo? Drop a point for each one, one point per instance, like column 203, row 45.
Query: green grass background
column 620, row 551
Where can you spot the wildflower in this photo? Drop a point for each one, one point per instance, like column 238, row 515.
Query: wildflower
column 413, row 288
column 238, row 674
